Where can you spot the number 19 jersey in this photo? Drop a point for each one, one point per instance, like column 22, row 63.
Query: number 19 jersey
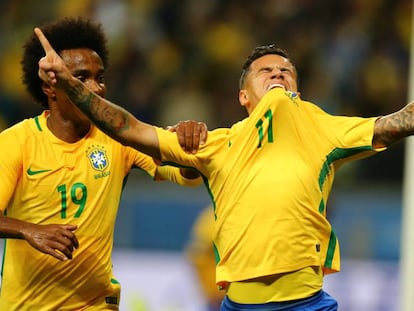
column 47, row 181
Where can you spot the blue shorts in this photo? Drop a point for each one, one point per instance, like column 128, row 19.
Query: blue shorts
column 321, row 301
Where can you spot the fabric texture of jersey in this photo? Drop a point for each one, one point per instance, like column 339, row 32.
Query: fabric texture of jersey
column 45, row 180
column 269, row 177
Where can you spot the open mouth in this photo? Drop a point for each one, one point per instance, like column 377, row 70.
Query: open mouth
column 275, row 85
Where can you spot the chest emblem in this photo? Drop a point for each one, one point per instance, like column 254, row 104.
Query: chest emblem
column 292, row 96
column 97, row 157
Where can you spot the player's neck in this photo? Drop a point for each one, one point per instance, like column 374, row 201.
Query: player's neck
column 68, row 130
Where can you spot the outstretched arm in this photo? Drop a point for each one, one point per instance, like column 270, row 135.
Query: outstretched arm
column 393, row 127
column 112, row 119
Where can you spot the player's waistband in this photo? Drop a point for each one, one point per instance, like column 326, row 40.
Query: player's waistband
column 290, row 286
column 320, row 296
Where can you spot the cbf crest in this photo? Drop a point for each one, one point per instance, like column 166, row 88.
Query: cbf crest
column 293, row 96
column 97, row 157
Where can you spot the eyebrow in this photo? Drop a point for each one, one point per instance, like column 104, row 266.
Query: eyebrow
column 84, row 72
column 265, row 68
column 270, row 68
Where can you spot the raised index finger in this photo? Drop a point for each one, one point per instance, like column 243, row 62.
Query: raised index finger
column 43, row 40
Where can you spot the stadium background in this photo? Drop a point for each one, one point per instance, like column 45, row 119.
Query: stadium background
column 180, row 59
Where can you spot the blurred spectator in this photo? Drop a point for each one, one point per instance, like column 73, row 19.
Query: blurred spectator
column 201, row 256
column 174, row 59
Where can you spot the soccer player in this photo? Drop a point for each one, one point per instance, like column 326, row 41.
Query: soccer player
column 269, row 177
column 61, row 184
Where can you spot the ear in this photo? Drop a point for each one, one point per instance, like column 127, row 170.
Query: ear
column 244, row 98
column 48, row 91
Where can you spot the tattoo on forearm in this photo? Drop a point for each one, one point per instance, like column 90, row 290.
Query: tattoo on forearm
column 394, row 127
column 110, row 118
column 77, row 96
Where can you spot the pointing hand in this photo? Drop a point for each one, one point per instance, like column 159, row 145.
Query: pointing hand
column 52, row 68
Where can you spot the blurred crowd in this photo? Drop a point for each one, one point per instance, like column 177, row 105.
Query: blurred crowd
column 173, row 60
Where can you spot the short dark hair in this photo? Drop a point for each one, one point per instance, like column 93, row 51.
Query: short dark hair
column 258, row 52
column 64, row 34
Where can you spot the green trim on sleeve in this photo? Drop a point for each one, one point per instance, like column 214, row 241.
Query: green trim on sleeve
column 335, row 155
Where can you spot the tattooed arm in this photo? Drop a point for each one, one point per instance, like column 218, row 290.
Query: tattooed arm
column 393, row 127
column 112, row 119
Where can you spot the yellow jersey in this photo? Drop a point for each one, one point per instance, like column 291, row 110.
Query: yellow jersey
column 269, row 177
column 48, row 181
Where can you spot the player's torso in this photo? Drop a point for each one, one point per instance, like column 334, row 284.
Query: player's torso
column 270, row 159
column 62, row 182
column 267, row 193
column 269, row 186
column 78, row 183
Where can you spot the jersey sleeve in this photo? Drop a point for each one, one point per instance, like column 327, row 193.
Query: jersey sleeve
column 174, row 175
column 205, row 161
column 172, row 153
column 141, row 161
column 345, row 131
column 10, row 166
column 159, row 172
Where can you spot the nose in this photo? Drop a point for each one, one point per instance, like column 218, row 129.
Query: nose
column 277, row 74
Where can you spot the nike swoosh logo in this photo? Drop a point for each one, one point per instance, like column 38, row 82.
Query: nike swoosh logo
column 35, row 172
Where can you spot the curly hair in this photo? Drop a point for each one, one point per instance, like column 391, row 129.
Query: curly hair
column 257, row 53
column 65, row 34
